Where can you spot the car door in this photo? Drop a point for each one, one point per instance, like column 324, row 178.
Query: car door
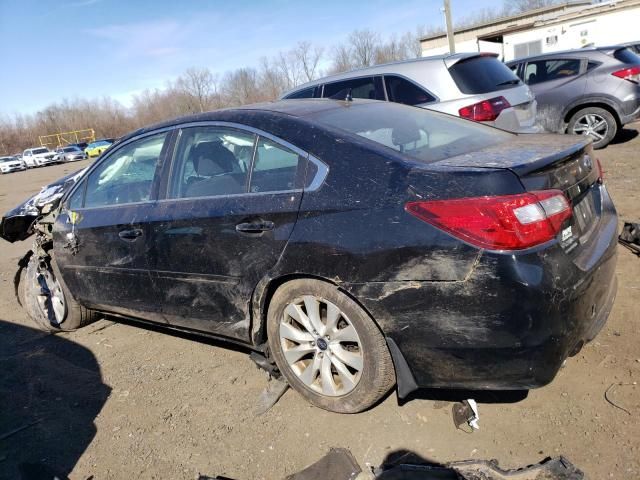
column 101, row 235
column 232, row 200
column 555, row 82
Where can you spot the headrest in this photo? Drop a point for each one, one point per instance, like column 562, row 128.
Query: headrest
column 212, row 158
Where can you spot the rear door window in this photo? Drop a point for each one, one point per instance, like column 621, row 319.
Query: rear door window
column 364, row 87
column 485, row 74
column 275, row 167
column 401, row 90
column 552, row 69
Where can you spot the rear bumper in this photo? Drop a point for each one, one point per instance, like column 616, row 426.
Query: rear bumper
column 510, row 324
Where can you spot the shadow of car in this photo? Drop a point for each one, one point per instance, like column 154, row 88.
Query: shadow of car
column 51, row 390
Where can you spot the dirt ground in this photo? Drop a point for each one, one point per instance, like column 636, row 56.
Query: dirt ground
column 116, row 400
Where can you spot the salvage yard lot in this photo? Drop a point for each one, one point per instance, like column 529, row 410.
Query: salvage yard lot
column 120, row 401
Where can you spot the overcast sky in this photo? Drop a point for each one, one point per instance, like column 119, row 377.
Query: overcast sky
column 55, row 49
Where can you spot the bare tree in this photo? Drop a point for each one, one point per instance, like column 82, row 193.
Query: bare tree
column 341, row 59
column 308, row 56
column 393, row 50
column 241, row 87
column 512, row 7
column 271, row 81
column 364, row 44
column 198, row 85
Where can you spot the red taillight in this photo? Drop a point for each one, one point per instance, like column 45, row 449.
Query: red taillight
column 632, row 74
column 506, row 222
column 485, row 111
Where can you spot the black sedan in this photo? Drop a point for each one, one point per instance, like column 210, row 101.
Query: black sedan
column 355, row 244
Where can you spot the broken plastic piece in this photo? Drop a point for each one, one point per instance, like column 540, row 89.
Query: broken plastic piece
column 466, row 412
column 270, row 395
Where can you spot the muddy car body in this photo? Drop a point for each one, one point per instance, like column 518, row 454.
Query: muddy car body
column 353, row 243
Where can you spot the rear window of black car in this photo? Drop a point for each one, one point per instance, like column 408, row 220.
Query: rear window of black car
column 482, row 75
column 627, row 56
column 421, row 134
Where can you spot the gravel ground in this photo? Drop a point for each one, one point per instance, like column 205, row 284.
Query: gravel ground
column 115, row 400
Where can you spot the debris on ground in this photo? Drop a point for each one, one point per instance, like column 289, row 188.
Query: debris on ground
column 630, row 237
column 608, row 394
column 557, row 468
column 466, row 412
column 270, row 395
column 338, row 464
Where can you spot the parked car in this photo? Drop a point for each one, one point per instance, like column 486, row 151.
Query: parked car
column 591, row 91
column 38, row 156
column 94, row 149
column 11, row 164
column 70, row 154
column 476, row 86
column 356, row 244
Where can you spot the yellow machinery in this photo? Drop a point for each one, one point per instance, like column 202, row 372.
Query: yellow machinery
column 65, row 138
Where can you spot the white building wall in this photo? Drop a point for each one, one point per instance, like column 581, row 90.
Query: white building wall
column 601, row 30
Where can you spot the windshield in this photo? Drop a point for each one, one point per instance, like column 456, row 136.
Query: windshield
column 70, row 149
column 36, row 151
column 421, row 134
column 6, row 159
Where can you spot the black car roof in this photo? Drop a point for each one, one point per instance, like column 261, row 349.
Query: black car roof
column 294, row 108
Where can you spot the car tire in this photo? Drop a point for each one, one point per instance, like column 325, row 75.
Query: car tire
column 596, row 122
column 345, row 374
column 66, row 316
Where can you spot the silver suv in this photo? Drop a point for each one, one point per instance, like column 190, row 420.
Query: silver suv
column 476, row 86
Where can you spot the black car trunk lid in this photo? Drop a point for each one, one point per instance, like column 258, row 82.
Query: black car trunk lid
column 543, row 162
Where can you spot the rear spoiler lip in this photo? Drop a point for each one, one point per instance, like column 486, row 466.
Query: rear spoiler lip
column 564, row 148
column 542, row 163
column 451, row 60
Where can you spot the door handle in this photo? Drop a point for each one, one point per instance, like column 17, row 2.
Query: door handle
column 130, row 235
column 256, row 228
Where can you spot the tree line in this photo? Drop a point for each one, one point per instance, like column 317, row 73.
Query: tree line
column 200, row 89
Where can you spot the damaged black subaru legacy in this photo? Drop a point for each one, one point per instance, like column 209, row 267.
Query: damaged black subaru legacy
column 355, row 244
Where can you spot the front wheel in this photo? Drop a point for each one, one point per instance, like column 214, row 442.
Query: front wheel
column 597, row 123
column 47, row 300
column 327, row 347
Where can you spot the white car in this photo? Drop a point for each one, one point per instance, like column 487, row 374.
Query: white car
column 11, row 164
column 38, row 156
column 70, row 154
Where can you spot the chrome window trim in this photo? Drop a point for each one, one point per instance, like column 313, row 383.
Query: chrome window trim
column 230, row 195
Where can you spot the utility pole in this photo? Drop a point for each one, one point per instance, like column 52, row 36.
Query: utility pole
column 447, row 19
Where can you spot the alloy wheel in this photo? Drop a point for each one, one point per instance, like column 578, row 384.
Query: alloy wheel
column 321, row 346
column 51, row 300
column 592, row 125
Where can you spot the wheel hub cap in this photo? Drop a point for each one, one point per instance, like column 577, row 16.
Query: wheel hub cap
column 321, row 346
column 592, row 125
